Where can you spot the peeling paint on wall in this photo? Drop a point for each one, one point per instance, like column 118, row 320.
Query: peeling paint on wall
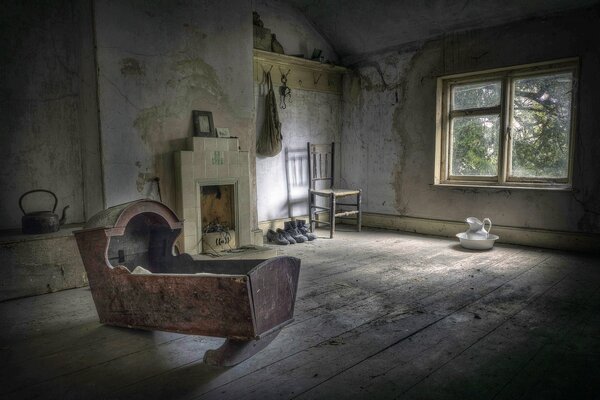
column 389, row 127
column 157, row 64
column 149, row 122
column 404, row 137
column 190, row 79
column 131, row 66
column 195, row 74
column 143, row 178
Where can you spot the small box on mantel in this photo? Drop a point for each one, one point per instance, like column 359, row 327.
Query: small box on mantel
column 216, row 242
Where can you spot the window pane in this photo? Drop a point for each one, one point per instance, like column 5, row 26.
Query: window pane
column 541, row 126
column 474, row 146
column 476, row 95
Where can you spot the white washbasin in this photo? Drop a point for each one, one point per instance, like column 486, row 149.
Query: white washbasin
column 477, row 244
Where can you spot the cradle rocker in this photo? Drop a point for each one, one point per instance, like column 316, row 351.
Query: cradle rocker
column 245, row 301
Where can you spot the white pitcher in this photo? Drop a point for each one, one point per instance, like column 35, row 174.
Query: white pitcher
column 477, row 228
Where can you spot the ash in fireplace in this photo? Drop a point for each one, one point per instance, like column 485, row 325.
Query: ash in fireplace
column 215, row 226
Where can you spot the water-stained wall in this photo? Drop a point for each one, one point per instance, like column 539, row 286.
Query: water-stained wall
column 158, row 61
column 48, row 134
column 389, row 121
column 309, row 116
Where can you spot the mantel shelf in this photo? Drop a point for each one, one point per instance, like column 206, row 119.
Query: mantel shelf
column 303, row 74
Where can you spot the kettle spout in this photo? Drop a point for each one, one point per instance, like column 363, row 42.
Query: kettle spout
column 63, row 218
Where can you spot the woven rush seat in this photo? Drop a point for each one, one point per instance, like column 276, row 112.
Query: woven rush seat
column 321, row 163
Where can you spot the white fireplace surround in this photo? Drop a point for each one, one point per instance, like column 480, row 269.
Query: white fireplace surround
column 212, row 161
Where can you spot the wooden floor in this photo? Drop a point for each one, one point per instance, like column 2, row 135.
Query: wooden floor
column 379, row 314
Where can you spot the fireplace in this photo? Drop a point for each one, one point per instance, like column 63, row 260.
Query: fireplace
column 217, row 207
column 217, row 217
column 213, row 195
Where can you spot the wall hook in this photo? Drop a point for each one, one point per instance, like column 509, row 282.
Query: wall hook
column 316, row 80
column 285, row 92
column 284, row 76
column 266, row 72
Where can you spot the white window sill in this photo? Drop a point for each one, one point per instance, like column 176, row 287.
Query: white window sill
column 479, row 185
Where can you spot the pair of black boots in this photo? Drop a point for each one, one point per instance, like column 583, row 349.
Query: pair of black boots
column 293, row 232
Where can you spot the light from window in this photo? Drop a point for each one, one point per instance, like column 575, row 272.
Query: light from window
column 509, row 127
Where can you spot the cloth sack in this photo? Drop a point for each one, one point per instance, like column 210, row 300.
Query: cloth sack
column 269, row 141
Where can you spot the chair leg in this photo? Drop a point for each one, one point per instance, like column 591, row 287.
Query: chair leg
column 311, row 212
column 359, row 215
column 331, row 216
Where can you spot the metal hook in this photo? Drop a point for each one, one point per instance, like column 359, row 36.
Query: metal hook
column 317, row 79
column 284, row 76
column 285, row 92
column 267, row 72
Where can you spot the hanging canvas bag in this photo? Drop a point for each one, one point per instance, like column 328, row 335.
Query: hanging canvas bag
column 269, row 141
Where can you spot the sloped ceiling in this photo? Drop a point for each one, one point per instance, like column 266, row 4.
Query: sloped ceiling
column 358, row 27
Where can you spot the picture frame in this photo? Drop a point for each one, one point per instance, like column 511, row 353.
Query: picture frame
column 203, row 123
column 223, row 132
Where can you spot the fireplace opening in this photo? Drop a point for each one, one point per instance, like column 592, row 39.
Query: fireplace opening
column 218, row 219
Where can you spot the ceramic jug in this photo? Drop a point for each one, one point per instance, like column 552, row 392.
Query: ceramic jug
column 477, row 228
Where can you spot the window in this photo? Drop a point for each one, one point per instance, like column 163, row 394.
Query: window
column 510, row 127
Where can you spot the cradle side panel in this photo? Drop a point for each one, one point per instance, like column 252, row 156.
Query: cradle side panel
column 92, row 246
column 274, row 284
column 209, row 306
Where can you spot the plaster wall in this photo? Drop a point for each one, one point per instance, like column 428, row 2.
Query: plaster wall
column 48, row 116
column 282, row 181
column 295, row 33
column 388, row 133
column 157, row 62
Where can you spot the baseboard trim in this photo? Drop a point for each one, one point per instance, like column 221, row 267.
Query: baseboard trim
column 523, row 236
column 277, row 223
column 560, row 240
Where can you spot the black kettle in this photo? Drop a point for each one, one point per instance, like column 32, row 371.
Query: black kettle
column 41, row 221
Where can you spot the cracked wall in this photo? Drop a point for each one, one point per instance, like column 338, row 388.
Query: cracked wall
column 388, row 132
column 157, row 62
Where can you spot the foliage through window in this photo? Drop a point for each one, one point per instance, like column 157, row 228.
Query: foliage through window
column 509, row 127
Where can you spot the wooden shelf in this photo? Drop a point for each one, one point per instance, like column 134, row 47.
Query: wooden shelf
column 303, row 74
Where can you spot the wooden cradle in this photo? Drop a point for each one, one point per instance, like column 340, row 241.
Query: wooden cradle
column 245, row 301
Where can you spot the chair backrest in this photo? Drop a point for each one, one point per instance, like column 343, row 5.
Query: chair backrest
column 296, row 161
column 320, row 163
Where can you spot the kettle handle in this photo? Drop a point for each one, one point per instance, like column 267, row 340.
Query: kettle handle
column 33, row 191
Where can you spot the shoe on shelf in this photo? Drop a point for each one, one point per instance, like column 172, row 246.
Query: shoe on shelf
column 290, row 228
column 275, row 237
column 301, row 224
column 286, row 236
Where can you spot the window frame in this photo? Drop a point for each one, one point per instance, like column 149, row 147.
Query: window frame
column 506, row 76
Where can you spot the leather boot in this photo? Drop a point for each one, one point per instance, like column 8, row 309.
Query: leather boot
column 286, row 236
column 291, row 229
column 276, row 237
column 304, row 229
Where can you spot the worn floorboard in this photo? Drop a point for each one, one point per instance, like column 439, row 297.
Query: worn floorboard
column 379, row 314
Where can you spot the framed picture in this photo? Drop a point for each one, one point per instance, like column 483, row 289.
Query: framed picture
column 223, row 132
column 203, row 123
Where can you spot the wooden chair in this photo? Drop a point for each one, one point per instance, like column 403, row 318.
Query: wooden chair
column 320, row 168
